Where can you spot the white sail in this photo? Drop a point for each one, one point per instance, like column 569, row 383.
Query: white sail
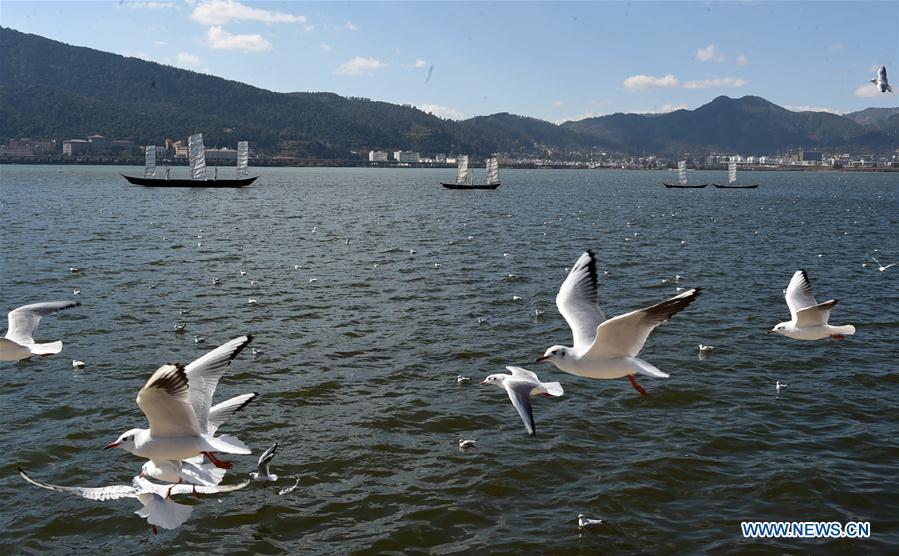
column 492, row 171
column 243, row 159
column 682, row 172
column 732, row 172
column 463, row 177
column 197, row 156
column 150, row 164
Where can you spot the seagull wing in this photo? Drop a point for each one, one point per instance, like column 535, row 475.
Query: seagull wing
column 578, row 302
column 206, row 489
column 165, row 400
column 525, row 374
column 799, row 293
column 161, row 512
column 114, row 492
column 24, row 320
column 203, row 376
column 520, row 394
column 624, row 335
column 816, row 315
column 882, row 74
column 221, row 412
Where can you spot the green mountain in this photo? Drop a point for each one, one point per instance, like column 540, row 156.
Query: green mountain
column 749, row 125
column 49, row 89
column 872, row 116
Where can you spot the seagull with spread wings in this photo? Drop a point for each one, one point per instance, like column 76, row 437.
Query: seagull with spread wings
column 177, row 401
column 19, row 343
column 810, row 318
column 607, row 349
column 520, row 386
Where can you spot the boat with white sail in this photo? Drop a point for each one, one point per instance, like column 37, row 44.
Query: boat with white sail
column 465, row 178
column 682, row 178
column 197, row 160
column 732, row 179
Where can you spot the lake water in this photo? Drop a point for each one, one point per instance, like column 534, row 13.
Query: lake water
column 357, row 378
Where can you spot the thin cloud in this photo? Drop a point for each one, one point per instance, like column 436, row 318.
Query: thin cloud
column 558, row 104
column 325, row 47
column 220, row 12
column 444, row 112
column 419, row 63
column 219, row 39
column 647, row 82
column 742, row 60
column 348, row 26
column 671, row 107
column 579, row 117
column 836, row 46
column 867, row 91
column 160, row 43
column 813, row 109
column 709, row 54
column 153, row 6
column 715, row 82
column 360, row 66
column 188, row 60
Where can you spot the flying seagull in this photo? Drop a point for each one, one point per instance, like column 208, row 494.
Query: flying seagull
column 263, row 473
column 177, row 402
column 521, row 385
column 607, row 349
column 157, row 508
column 881, row 80
column 18, row 343
column 809, row 317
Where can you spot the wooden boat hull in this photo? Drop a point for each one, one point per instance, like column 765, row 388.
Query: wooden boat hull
column 162, row 182
column 673, row 186
column 463, row 186
column 719, row 186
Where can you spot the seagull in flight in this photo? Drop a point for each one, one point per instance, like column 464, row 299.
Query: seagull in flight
column 177, row 401
column 18, row 343
column 521, row 385
column 880, row 267
column 881, row 80
column 607, row 349
column 263, row 473
column 157, row 508
column 809, row 317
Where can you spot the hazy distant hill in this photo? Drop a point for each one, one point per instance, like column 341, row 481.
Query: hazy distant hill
column 872, row 116
column 49, row 89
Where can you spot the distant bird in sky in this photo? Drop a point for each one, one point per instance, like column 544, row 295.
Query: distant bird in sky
column 607, row 349
column 520, row 386
column 881, row 81
column 809, row 317
column 430, row 72
column 18, row 342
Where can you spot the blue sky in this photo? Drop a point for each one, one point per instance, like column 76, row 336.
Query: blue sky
column 554, row 61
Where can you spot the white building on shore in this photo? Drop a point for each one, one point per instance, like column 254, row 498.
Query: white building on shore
column 377, row 156
column 409, row 157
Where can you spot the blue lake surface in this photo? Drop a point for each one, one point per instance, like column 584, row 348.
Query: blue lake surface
column 357, row 377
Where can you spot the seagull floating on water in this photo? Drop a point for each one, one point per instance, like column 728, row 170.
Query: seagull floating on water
column 465, row 444
column 881, row 81
column 462, row 379
column 176, row 401
column 263, row 473
column 521, row 385
column 584, row 522
column 778, row 385
column 705, row 349
column 76, row 364
column 18, row 343
column 158, row 510
column 809, row 317
column 179, row 327
column 607, row 349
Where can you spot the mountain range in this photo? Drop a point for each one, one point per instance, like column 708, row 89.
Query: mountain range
column 49, row 89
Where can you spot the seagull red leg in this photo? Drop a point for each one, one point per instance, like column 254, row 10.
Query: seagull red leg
column 168, row 493
column 838, row 337
column 636, row 386
column 217, row 462
column 153, row 528
column 196, row 494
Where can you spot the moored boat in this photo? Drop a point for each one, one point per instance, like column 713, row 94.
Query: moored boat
column 682, row 178
column 197, row 160
column 464, row 176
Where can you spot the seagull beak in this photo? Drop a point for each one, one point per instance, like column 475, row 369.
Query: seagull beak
column 542, row 358
column 483, row 382
column 771, row 331
column 113, row 445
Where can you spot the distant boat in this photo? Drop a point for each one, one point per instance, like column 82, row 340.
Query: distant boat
column 732, row 179
column 682, row 178
column 464, row 176
column 197, row 156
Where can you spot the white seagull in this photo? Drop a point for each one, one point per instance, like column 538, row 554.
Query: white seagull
column 778, row 385
column 157, row 508
column 462, row 379
column 177, row 402
column 703, row 348
column 466, row 444
column 607, row 349
column 263, row 473
column 809, row 317
column 521, row 385
column 18, row 343
column 881, row 81
column 193, row 470
column 584, row 522
column 880, row 267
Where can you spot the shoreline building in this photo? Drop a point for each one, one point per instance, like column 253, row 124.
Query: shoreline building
column 407, row 157
column 377, row 156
